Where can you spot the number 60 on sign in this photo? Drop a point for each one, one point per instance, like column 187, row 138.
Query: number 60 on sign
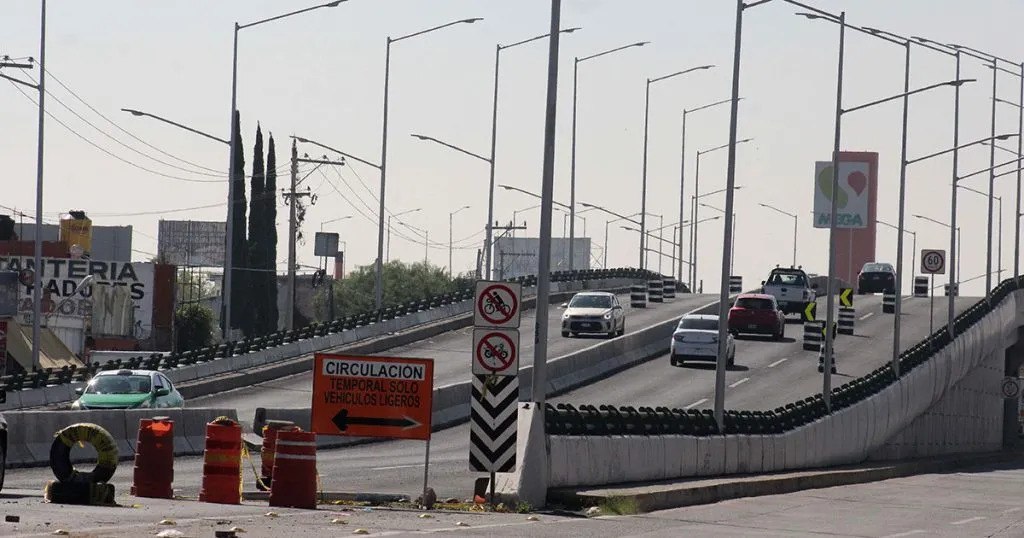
column 933, row 262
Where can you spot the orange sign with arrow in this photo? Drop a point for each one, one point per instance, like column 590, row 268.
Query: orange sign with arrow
column 372, row 396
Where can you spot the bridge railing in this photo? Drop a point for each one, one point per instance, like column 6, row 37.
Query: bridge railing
column 583, row 420
column 69, row 374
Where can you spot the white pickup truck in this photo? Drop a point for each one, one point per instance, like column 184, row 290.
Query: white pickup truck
column 791, row 288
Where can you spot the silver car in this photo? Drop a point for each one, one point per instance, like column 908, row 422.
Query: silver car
column 593, row 312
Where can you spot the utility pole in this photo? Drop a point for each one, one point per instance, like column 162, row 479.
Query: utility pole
column 506, row 230
column 293, row 198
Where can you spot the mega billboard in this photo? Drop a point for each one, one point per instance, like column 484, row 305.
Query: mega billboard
column 191, row 243
column 852, row 196
column 61, row 277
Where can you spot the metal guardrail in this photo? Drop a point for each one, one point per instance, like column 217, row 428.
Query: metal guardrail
column 69, row 374
column 565, row 419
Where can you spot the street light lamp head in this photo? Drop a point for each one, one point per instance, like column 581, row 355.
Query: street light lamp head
column 471, row 21
column 334, row 4
column 132, row 112
column 418, row 136
column 812, row 16
column 1006, row 136
column 961, row 82
column 640, row 43
column 702, row 67
column 571, row 30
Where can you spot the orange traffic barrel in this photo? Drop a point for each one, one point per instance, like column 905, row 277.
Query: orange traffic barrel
column 270, row 432
column 222, row 463
column 295, row 475
column 154, row 459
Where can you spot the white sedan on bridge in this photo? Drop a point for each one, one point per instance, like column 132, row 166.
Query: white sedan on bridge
column 696, row 338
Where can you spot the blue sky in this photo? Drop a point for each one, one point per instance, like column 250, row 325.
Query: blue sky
column 320, row 76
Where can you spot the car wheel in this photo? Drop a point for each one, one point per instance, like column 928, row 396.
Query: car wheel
column 672, row 360
column 731, row 361
column 565, row 334
column 622, row 330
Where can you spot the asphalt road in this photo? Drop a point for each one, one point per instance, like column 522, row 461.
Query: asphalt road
column 397, row 466
column 451, row 354
column 975, row 502
column 768, row 374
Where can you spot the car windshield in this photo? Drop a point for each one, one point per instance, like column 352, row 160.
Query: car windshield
column 119, row 384
column 787, row 279
column 700, row 324
column 591, row 301
column 755, row 303
column 877, row 268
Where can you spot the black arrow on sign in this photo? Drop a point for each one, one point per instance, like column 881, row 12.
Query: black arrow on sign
column 343, row 421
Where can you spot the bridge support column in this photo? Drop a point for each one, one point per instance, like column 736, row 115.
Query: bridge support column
column 529, row 482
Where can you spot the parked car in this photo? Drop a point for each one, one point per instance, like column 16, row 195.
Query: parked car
column 593, row 312
column 128, row 389
column 757, row 313
column 696, row 338
column 876, row 277
column 791, row 288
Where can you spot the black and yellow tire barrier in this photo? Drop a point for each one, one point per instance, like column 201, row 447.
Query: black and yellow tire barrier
column 76, row 487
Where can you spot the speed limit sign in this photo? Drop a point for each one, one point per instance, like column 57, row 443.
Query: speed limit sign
column 933, row 262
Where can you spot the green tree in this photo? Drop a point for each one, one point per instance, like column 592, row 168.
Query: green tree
column 402, row 283
column 270, row 242
column 252, row 317
column 238, row 292
column 193, row 325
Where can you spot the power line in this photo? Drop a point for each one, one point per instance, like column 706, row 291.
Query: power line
column 119, row 142
column 115, row 124
column 104, row 150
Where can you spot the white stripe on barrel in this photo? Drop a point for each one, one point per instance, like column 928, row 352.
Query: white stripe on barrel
column 655, row 290
column 638, row 296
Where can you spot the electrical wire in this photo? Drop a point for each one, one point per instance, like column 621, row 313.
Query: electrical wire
column 104, row 150
column 211, row 173
column 115, row 124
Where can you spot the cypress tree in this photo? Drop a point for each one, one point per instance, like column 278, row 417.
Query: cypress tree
column 253, row 322
column 269, row 241
column 239, row 252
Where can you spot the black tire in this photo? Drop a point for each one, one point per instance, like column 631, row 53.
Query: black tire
column 565, row 334
column 622, row 331
column 731, row 361
column 672, row 360
column 99, row 438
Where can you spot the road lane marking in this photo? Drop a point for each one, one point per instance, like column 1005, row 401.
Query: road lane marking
column 695, row 404
column 740, row 382
column 866, row 316
column 902, row 534
column 1011, row 510
column 396, row 467
column 968, row 520
column 776, row 363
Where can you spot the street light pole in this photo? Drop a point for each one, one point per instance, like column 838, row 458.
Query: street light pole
column 788, row 214
column 540, row 349
column 643, row 187
column 232, row 155
column 572, row 167
column 379, row 274
column 489, row 232
column 37, row 246
column 682, row 176
column 694, row 210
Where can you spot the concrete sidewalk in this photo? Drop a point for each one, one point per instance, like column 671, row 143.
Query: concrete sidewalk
column 648, row 497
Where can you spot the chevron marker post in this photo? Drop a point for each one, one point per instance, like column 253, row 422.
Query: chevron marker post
column 493, row 423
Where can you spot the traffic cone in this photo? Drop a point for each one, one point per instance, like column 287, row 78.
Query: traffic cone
column 154, row 459
column 222, row 463
column 270, row 432
column 294, row 470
